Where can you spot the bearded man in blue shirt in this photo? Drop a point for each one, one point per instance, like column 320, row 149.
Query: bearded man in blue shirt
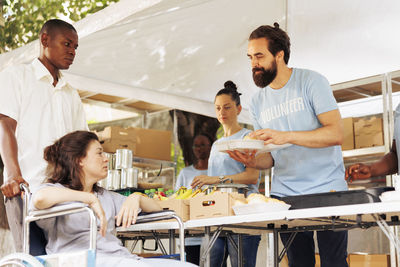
column 296, row 106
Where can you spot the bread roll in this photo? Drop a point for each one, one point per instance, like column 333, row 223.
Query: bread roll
column 256, row 198
column 269, row 199
column 239, row 202
column 247, row 137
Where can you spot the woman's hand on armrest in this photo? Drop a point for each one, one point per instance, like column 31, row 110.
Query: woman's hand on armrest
column 130, row 208
column 95, row 205
column 129, row 211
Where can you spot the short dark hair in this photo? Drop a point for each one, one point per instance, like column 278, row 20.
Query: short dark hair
column 277, row 39
column 52, row 25
column 63, row 159
column 230, row 89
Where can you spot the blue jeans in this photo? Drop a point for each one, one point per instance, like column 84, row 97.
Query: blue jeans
column 332, row 247
column 222, row 247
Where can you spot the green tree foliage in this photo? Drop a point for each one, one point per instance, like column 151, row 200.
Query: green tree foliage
column 24, row 18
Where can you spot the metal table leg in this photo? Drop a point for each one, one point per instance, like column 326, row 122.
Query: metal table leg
column 205, row 257
column 172, row 243
column 276, row 248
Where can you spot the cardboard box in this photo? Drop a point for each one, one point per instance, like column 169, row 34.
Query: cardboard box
column 145, row 143
column 348, row 134
column 368, row 132
column 214, row 205
column 111, row 145
column 180, row 206
column 285, row 262
column 371, row 260
column 153, row 144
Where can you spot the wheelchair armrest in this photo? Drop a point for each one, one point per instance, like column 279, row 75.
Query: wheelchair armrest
column 144, row 217
column 162, row 215
column 58, row 210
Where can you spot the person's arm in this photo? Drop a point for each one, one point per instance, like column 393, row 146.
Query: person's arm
column 330, row 134
column 248, row 176
column 388, row 164
column 261, row 161
column 149, row 205
column 129, row 210
column 9, row 155
column 49, row 196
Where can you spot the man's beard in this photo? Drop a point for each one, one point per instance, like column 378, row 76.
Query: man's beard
column 266, row 77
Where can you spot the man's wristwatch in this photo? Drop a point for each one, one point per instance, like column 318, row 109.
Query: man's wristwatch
column 221, row 179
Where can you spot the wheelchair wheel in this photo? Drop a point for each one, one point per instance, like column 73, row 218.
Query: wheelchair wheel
column 20, row 260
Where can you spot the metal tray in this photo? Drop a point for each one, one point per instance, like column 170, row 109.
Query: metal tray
column 338, row 198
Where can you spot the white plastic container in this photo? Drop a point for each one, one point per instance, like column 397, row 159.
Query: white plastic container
column 260, row 208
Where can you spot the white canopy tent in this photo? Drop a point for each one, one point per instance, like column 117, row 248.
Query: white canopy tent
column 178, row 53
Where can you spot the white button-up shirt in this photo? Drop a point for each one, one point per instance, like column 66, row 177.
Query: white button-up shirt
column 43, row 113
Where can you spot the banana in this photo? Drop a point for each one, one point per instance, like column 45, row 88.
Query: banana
column 213, row 190
column 185, row 195
column 194, row 193
column 181, row 190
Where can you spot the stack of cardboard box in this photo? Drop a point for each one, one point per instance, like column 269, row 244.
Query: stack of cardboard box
column 145, row 143
column 362, row 132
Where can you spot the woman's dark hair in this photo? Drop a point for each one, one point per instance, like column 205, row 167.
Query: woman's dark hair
column 230, row 89
column 277, row 39
column 63, row 159
column 206, row 135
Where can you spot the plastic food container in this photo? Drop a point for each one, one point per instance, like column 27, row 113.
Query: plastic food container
column 260, row 208
column 243, row 145
column 338, row 198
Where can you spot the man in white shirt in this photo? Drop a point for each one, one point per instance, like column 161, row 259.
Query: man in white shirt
column 37, row 106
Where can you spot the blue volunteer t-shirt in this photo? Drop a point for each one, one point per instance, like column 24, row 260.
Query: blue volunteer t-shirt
column 220, row 163
column 300, row 170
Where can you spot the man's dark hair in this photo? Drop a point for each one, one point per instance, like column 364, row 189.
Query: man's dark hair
column 52, row 25
column 277, row 39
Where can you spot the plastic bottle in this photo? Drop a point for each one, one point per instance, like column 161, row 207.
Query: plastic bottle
column 152, row 192
column 147, row 192
column 169, row 192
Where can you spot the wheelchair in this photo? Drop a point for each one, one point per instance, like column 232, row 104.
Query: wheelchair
column 24, row 259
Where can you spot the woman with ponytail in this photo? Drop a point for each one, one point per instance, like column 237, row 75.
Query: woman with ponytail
column 76, row 163
column 222, row 167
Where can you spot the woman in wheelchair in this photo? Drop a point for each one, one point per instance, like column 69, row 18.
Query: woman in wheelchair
column 75, row 164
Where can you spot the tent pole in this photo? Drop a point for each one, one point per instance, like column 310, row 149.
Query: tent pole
column 176, row 143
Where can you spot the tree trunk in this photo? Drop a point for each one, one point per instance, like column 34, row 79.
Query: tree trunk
column 190, row 125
